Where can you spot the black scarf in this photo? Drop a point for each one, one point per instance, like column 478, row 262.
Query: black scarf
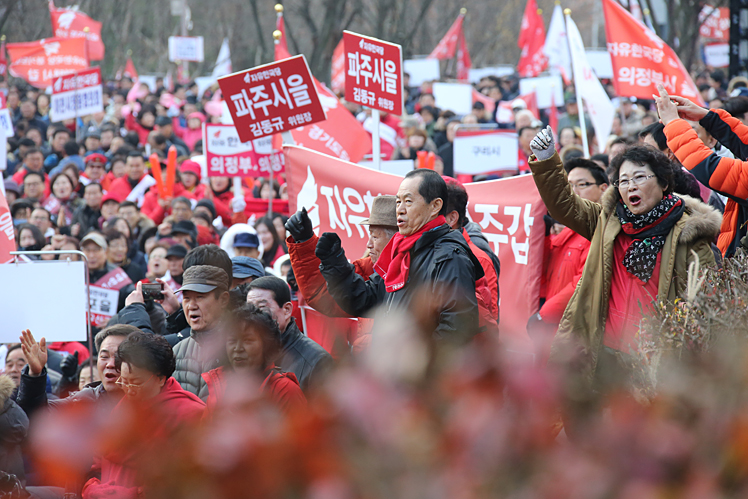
column 649, row 232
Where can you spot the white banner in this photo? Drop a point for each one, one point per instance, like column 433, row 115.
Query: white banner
column 457, row 97
column 485, row 151
column 77, row 94
column 186, row 48
column 6, row 124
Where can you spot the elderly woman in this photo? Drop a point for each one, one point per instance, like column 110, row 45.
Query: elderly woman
column 643, row 238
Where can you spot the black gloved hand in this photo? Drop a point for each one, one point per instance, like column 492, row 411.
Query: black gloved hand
column 69, row 366
column 300, row 226
column 329, row 248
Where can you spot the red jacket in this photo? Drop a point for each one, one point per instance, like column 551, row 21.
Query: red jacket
column 280, row 387
column 492, row 281
column 21, row 174
column 138, row 430
column 153, row 210
column 120, row 188
column 134, row 126
column 566, row 258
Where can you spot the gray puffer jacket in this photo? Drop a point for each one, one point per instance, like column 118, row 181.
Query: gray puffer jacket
column 194, row 356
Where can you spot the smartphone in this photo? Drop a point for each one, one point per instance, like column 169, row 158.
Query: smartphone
column 153, row 291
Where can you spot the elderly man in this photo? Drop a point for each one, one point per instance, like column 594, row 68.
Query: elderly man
column 103, row 274
column 425, row 256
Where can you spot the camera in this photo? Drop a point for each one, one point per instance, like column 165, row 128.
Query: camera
column 152, row 291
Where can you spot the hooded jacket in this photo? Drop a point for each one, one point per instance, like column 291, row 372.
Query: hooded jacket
column 14, row 425
column 582, row 326
column 441, row 262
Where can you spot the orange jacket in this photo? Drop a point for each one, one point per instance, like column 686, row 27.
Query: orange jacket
column 727, row 176
column 567, row 255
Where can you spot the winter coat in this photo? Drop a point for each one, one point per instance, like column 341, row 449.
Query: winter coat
column 564, row 265
column 279, row 387
column 582, row 328
column 440, row 260
column 87, row 218
column 725, row 175
column 191, row 362
column 303, row 357
column 190, row 136
column 32, row 394
column 478, row 239
column 154, row 211
column 14, row 425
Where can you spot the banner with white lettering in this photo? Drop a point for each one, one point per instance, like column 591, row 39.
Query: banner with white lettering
column 338, row 196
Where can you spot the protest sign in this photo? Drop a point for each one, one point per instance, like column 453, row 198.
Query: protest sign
column 228, row 156
column 422, row 70
column 484, row 151
column 76, row 95
column 338, row 196
column 456, row 97
column 273, row 98
column 373, row 73
column 186, row 48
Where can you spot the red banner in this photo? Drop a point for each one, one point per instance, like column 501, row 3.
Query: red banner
column 715, row 23
column 272, row 98
column 531, row 40
column 3, row 61
column 641, row 59
column 68, row 23
column 373, row 73
column 338, row 195
column 337, row 82
column 40, row 62
column 7, row 234
column 340, row 135
column 281, row 46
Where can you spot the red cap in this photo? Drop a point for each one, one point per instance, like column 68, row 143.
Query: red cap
column 96, row 157
column 189, row 166
column 109, row 196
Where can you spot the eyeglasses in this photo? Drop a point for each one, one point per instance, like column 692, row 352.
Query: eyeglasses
column 582, row 185
column 637, row 180
column 130, row 386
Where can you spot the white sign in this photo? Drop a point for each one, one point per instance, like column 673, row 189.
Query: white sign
column 485, row 151
column 59, row 285
column 6, row 124
column 186, row 48
column 456, row 97
column 543, row 86
column 224, row 140
column 475, row 74
column 717, row 55
column 103, row 304
column 600, row 62
column 77, row 94
column 421, row 70
column 396, row 167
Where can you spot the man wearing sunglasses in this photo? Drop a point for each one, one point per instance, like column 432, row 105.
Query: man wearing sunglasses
column 567, row 255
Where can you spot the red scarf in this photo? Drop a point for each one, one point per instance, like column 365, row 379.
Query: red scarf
column 394, row 262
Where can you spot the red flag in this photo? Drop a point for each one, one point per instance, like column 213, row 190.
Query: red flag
column 641, row 59
column 447, row 47
column 7, row 235
column 40, row 62
column 281, row 47
column 488, row 102
column 463, row 59
column 128, row 71
column 338, row 68
column 68, row 23
column 3, row 59
column 531, row 40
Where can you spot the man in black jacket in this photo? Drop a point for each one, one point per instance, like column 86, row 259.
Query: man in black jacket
column 87, row 216
column 425, row 255
column 301, row 355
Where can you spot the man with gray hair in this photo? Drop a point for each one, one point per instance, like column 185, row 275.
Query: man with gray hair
column 205, row 298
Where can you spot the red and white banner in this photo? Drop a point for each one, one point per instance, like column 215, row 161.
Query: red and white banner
column 69, row 23
column 641, row 59
column 104, row 296
column 531, row 40
column 75, row 95
column 338, row 196
column 340, row 135
column 447, row 46
column 715, row 23
column 40, row 62
column 272, row 98
column 227, row 156
column 373, row 73
column 7, row 234
column 337, row 82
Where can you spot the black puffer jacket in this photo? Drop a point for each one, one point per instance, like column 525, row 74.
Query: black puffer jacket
column 441, row 261
column 303, row 357
column 14, row 426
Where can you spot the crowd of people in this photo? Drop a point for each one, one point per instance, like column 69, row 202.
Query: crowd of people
column 236, row 285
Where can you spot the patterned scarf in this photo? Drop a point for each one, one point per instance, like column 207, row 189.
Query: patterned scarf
column 649, row 232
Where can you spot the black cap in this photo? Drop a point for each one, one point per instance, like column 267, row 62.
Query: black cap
column 177, row 251
column 184, row 227
column 163, row 121
column 208, row 204
column 246, row 240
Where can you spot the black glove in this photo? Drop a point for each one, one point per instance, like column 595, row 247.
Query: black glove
column 329, row 248
column 300, row 226
column 69, row 371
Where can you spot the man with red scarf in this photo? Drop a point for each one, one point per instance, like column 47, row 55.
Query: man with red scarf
column 425, row 256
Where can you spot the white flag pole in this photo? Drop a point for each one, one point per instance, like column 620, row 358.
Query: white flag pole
column 580, row 107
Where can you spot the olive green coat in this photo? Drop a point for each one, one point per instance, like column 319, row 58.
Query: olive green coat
column 580, row 333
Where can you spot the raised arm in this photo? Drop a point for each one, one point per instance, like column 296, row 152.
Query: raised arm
column 580, row 215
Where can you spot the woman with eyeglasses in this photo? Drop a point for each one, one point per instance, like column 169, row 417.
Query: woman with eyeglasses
column 642, row 240
column 152, row 409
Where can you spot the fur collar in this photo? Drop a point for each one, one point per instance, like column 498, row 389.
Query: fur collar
column 703, row 221
column 6, row 389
